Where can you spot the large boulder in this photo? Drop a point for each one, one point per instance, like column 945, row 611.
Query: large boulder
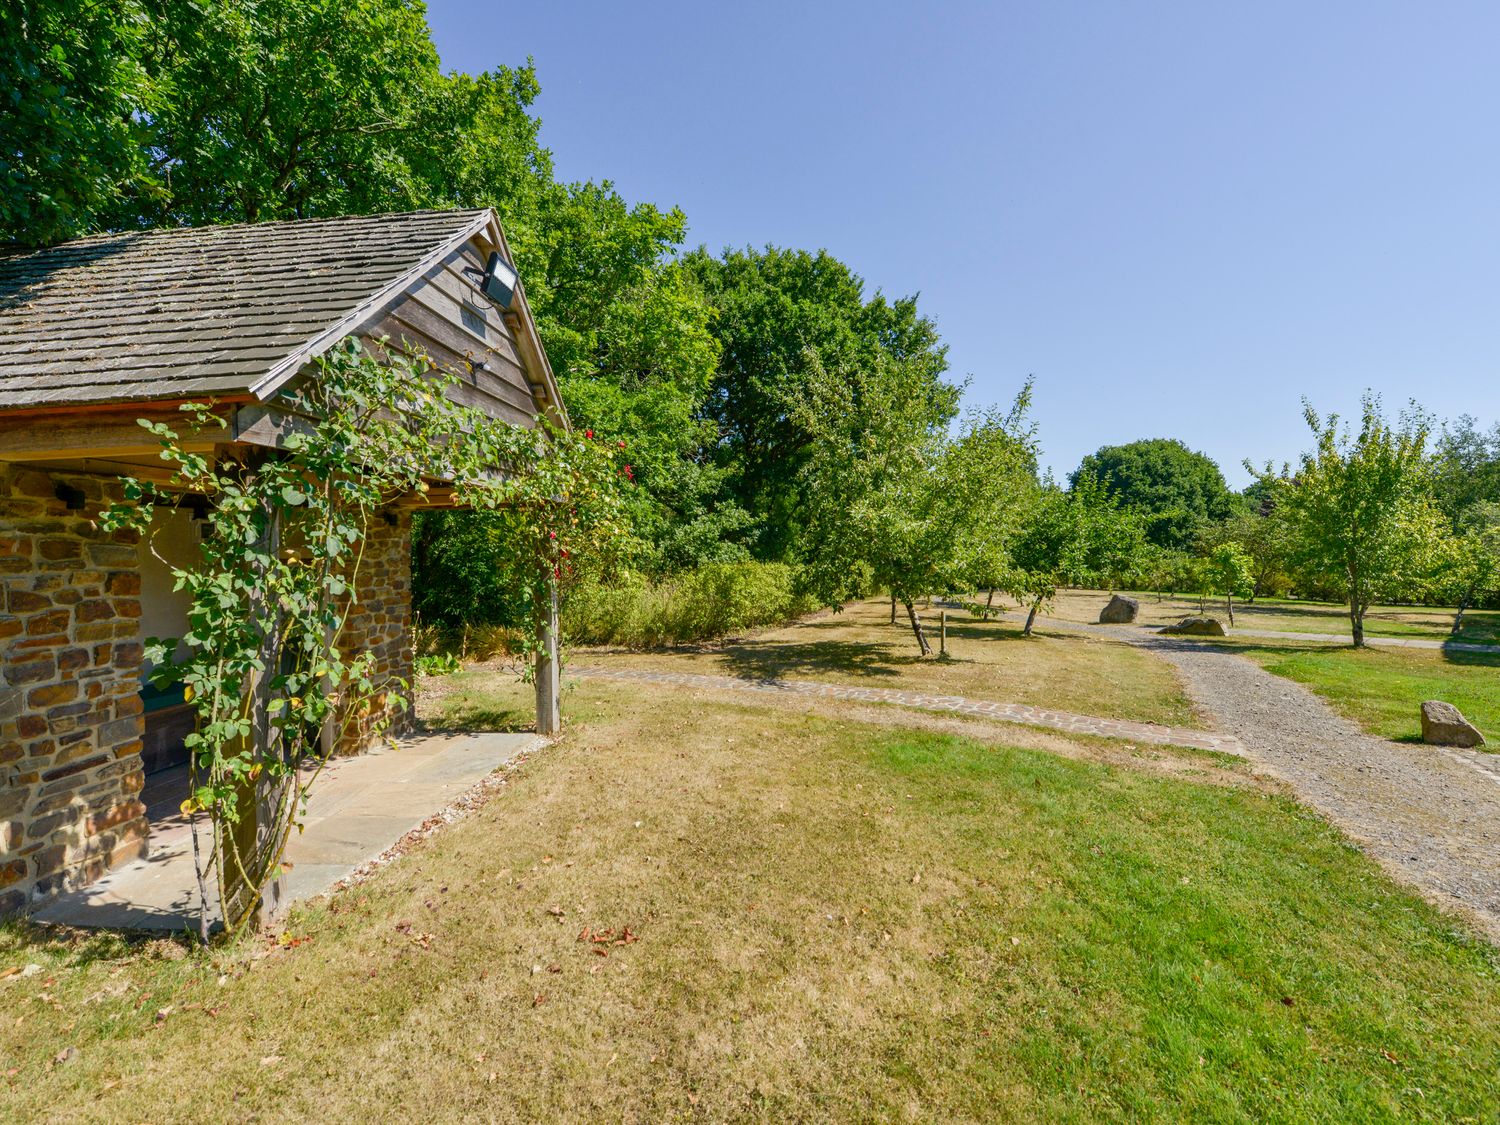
column 1195, row 627
column 1119, row 611
column 1444, row 725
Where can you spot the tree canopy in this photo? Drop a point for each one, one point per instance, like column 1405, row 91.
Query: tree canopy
column 1176, row 490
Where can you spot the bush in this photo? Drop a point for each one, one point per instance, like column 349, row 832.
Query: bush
column 698, row 605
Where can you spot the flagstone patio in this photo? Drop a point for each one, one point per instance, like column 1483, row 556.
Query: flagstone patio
column 359, row 807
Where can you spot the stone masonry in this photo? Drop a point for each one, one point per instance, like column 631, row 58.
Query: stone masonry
column 70, row 709
column 380, row 622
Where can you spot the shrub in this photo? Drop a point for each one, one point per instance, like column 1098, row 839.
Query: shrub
column 698, row 605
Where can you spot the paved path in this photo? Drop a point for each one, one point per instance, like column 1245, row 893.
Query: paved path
column 1430, row 814
column 358, row 808
column 985, row 709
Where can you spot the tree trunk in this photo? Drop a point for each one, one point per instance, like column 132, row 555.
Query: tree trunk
column 1463, row 608
column 1357, row 624
column 916, row 628
column 988, row 602
column 893, row 607
column 1031, row 617
column 1229, row 604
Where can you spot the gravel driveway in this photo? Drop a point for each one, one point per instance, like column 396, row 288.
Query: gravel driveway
column 1431, row 815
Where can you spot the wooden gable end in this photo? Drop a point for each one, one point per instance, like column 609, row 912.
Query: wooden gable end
column 492, row 351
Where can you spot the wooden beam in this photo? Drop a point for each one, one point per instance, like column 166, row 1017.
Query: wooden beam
column 267, row 426
column 67, row 436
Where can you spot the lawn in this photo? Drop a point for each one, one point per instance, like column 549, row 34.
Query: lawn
column 986, row 660
column 1285, row 615
column 1382, row 689
column 833, row 920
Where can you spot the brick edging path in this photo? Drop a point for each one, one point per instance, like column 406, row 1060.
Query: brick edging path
column 979, row 708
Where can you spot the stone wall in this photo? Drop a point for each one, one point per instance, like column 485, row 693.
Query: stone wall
column 70, row 709
column 380, row 622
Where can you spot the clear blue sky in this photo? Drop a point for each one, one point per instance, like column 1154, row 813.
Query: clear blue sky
column 1180, row 217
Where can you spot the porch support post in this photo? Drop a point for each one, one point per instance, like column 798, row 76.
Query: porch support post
column 548, row 678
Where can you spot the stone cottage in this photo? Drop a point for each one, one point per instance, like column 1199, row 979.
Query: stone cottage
column 99, row 333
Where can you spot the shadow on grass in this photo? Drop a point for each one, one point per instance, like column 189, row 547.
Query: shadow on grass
column 780, row 661
column 468, row 718
column 77, row 948
column 1470, row 659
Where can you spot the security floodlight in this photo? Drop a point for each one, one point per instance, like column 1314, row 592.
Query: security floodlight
column 500, row 280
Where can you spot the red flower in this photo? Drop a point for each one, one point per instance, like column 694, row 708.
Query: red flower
column 588, row 433
column 622, row 445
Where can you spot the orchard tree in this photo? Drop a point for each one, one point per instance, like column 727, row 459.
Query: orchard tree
column 1071, row 537
column 892, row 501
column 1262, row 537
column 1470, row 568
column 1230, row 571
column 1359, row 506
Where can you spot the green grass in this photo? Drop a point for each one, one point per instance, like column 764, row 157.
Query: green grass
column 1382, row 688
column 836, row 921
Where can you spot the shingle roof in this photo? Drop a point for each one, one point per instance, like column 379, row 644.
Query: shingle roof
column 203, row 310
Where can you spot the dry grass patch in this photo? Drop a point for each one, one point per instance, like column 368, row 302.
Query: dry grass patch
column 1288, row 616
column 986, row 660
column 836, row 921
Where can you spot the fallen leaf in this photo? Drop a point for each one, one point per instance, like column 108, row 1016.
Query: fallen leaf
column 65, row 1056
column 269, row 1060
column 163, row 1013
column 554, row 968
column 539, row 999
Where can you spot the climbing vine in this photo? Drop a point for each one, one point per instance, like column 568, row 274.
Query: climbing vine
column 263, row 661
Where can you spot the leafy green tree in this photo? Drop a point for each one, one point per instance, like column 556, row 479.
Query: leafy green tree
column 891, row 500
column 1262, row 536
column 1470, row 566
column 1231, row 572
column 782, row 318
column 1359, row 506
column 285, row 109
column 1176, row 490
column 74, row 90
column 1069, row 538
column 1466, row 467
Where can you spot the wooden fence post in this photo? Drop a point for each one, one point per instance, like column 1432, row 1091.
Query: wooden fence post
column 548, row 680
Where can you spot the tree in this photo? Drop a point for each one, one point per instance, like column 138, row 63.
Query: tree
column 1470, row 567
column 782, row 318
column 75, row 91
column 1359, row 508
column 1176, row 490
column 1071, row 537
column 890, row 499
column 1466, row 467
column 1230, row 571
column 1261, row 535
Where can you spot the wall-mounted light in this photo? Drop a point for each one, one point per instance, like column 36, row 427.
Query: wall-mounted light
column 499, row 281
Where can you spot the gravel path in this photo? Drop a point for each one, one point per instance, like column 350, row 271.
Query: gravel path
column 1153, row 733
column 1429, row 814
